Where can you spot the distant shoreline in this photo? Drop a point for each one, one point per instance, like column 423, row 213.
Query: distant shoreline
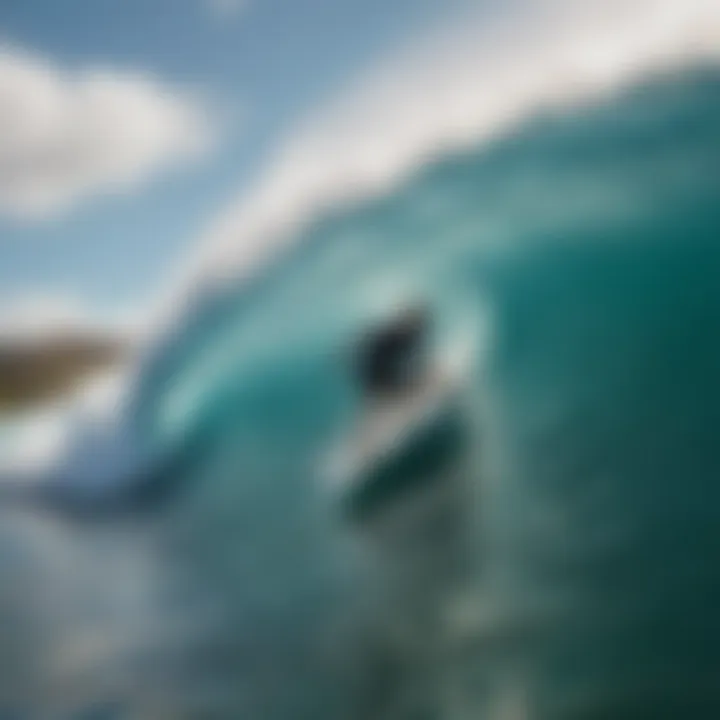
column 40, row 370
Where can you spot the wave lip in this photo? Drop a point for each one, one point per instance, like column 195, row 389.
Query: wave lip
column 468, row 83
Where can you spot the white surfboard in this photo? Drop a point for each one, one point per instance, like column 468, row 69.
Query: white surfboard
column 387, row 427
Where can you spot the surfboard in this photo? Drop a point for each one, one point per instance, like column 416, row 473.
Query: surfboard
column 400, row 441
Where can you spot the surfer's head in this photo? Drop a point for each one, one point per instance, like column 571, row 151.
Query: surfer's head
column 390, row 357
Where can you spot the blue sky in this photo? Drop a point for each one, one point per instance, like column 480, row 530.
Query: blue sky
column 254, row 66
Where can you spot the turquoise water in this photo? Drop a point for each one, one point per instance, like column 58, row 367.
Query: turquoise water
column 572, row 568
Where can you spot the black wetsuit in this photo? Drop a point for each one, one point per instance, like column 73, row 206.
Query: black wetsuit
column 390, row 359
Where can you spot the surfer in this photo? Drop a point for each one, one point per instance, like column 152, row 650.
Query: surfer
column 391, row 358
column 410, row 429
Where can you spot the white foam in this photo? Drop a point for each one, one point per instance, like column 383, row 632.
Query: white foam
column 466, row 83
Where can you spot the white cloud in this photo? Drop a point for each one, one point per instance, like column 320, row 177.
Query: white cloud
column 467, row 82
column 39, row 316
column 66, row 136
column 225, row 9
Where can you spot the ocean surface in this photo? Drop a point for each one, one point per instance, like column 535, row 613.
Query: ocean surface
column 569, row 550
